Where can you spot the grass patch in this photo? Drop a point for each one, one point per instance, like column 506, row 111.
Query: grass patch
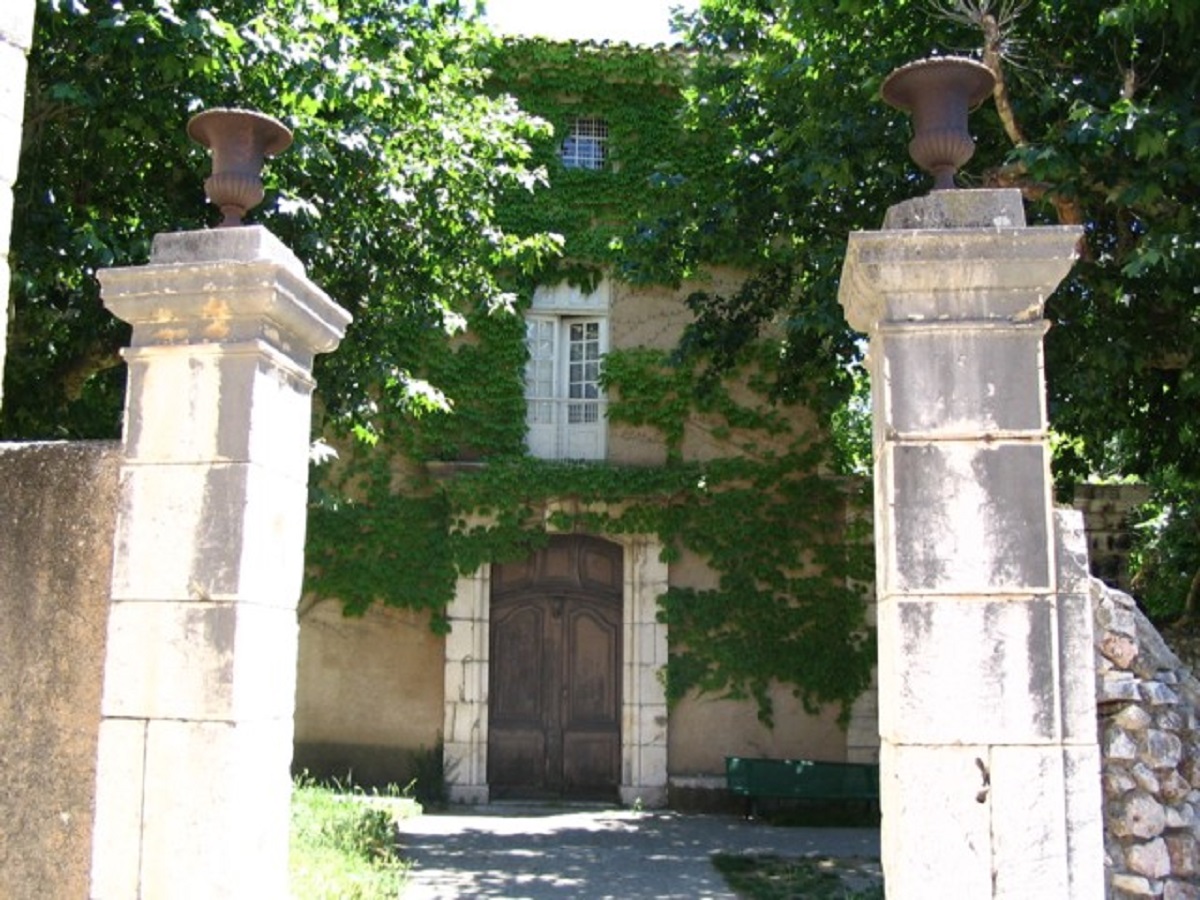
column 811, row 878
column 343, row 843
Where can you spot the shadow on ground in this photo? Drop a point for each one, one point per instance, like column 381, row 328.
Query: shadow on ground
column 599, row 854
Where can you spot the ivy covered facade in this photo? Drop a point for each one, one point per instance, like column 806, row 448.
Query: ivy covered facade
column 608, row 567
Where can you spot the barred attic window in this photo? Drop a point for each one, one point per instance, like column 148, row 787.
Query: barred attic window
column 585, row 147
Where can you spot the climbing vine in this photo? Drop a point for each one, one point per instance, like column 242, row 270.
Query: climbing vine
column 441, row 494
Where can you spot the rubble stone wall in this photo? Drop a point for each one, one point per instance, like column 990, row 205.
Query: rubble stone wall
column 1150, row 742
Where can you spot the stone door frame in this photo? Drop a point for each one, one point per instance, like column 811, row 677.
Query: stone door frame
column 643, row 695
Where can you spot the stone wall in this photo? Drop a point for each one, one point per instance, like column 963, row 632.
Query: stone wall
column 57, row 512
column 1106, row 510
column 1150, row 739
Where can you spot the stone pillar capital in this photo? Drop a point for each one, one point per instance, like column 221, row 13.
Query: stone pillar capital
column 955, row 255
column 227, row 286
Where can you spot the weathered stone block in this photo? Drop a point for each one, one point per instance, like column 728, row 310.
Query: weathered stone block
column 1084, row 805
column 1169, row 719
column 1118, row 745
column 1158, row 694
column 12, row 102
column 1118, row 782
column 969, row 518
column 1134, row 887
column 1174, row 788
column 1071, row 550
column 1031, row 860
column 1138, row 815
column 973, row 274
column 992, row 661
column 6, row 211
column 1149, row 859
column 224, row 835
column 1120, row 649
column 1145, row 778
column 236, row 286
column 950, row 381
column 1180, row 890
column 1132, row 718
column 1116, row 687
column 16, row 23
column 200, row 661
column 930, row 799
column 1118, row 619
column 209, row 533
column 1182, row 815
column 1160, row 749
column 120, row 792
column 1076, row 668
column 995, row 208
column 247, row 406
column 58, row 506
column 1184, row 854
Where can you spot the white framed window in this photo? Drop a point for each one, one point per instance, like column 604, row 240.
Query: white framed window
column 586, row 146
column 566, row 334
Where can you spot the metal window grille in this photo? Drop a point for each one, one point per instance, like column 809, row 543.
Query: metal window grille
column 585, row 147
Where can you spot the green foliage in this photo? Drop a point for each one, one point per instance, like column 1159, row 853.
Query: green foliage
column 1165, row 557
column 636, row 91
column 389, row 194
column 343, row 845
column 364, row 550
column 1104, row 94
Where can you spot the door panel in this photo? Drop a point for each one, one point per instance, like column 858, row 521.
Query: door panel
column 555, row 697
column 520, row 629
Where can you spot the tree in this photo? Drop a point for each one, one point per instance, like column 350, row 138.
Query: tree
column 1095, row 121
column 388, row 194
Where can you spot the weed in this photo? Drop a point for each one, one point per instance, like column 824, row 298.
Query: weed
column 810, row 878
column 343, row 844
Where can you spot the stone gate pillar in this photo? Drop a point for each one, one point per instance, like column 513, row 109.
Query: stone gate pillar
column 990, row 764
column 195, row 741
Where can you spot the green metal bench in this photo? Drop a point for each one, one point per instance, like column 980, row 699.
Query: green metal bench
column 800, row 779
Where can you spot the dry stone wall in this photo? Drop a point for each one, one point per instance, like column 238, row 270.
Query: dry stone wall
column 1150, row 742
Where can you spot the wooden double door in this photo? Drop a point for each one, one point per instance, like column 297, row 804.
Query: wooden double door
column 554, row 709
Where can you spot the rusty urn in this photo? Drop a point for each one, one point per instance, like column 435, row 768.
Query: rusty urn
column 939, row 92
column 240, row 139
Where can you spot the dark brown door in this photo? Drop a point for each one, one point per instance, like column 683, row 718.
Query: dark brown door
column 555, row 698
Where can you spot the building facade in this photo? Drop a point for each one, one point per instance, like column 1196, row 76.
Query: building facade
column 546, row 675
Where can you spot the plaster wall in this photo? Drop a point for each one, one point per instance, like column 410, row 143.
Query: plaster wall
column 704, row 730
column 58, row 509
column 654, row 317
column 368, row 693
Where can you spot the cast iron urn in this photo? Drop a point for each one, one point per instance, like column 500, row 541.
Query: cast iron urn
column 240, row 139
column 939, row 92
